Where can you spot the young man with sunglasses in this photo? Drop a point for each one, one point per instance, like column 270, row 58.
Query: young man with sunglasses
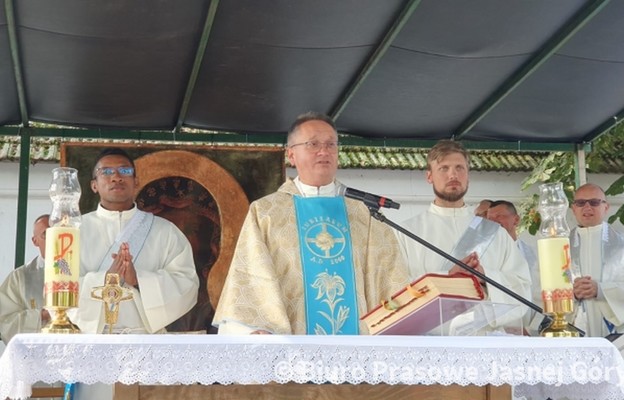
column 597, row 252
column 151, row 255
column 308, row 261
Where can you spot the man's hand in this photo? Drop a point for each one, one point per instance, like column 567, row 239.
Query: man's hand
column 471, row 260
column 123, row 265
column 585, row 288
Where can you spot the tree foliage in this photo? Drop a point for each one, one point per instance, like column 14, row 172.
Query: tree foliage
column 559, row 167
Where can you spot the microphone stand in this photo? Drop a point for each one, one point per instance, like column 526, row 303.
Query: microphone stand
column 375, row 213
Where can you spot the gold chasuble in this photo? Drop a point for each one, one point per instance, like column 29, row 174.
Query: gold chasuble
column 264, row 287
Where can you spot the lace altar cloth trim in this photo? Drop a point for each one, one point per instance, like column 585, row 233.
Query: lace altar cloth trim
column 537, row 367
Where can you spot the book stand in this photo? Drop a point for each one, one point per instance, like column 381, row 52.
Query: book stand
column 446, row 316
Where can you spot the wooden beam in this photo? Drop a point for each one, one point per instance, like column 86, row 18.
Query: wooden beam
column 294, row 391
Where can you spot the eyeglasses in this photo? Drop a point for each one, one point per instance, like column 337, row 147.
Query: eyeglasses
column 314, row 145
column 110, row 171
column 592, row 202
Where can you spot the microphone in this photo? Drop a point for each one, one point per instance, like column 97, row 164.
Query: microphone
column 368, row 198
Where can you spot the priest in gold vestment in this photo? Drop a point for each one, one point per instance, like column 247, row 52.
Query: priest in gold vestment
column 264, row 291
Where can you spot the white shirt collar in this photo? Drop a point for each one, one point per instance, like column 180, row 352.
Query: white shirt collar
column 315, row 191
column 590, row 229
column 450, row 211
column 126, row 214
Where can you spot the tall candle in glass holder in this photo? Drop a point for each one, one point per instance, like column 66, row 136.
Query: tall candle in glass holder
column 553, row 251
column 62, row 261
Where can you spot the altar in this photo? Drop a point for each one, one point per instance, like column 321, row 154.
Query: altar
column 265, row 366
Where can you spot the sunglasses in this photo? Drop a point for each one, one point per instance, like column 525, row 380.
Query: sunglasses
column 110, row 171
column 592, row 202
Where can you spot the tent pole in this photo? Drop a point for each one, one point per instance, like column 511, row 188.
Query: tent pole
column 15, row 57
column 580, row 166
column 22, row 197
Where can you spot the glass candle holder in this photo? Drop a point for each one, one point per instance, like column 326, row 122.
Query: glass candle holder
column 62, row 257
column 553, row 250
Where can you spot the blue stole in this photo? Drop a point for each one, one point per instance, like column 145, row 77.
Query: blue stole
column 68, row 393
column 327, row 265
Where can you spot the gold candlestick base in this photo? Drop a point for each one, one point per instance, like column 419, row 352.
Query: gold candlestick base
column 60, row 323
column 559, row 327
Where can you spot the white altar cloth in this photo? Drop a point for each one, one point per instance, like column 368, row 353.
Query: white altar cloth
column 579, row 368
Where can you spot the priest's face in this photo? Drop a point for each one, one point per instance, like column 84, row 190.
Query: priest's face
column 313, row 150
column 505, row 218
column 114, row 180
column 449, row 177
column 585, row 213
column 39, row 234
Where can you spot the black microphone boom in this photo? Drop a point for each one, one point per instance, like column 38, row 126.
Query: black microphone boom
column 368, row 198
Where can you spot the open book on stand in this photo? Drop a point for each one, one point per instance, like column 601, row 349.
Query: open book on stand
column 416, row 309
